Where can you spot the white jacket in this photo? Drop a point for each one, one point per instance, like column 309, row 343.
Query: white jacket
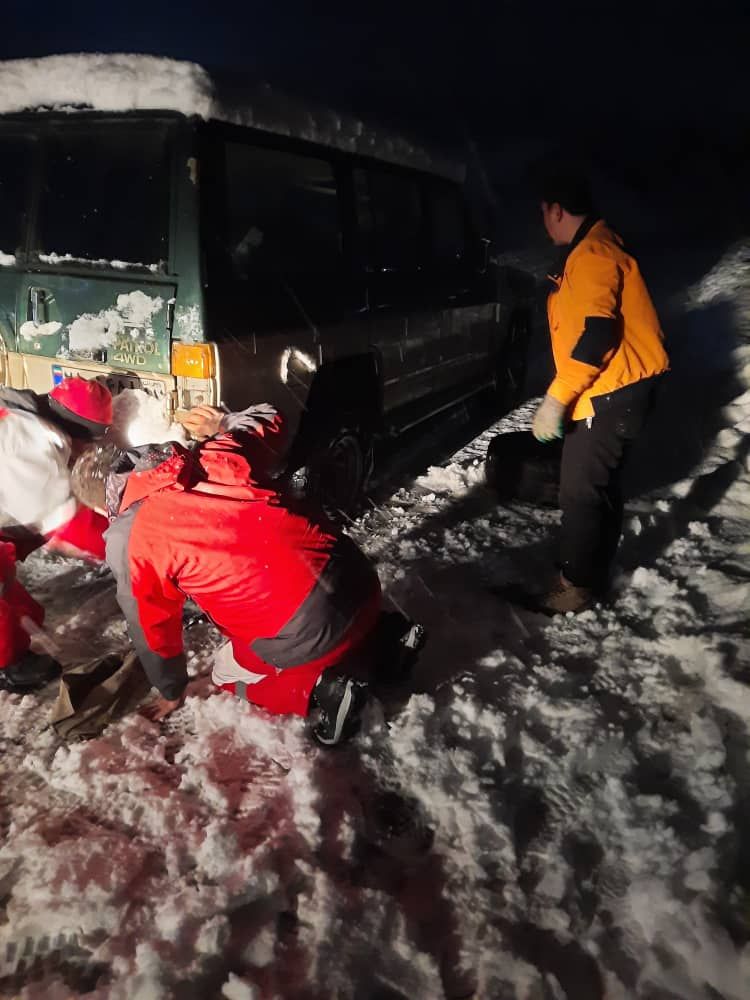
column 34, row 477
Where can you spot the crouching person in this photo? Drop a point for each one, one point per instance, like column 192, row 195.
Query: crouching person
column 40, row 437
column 297, row 601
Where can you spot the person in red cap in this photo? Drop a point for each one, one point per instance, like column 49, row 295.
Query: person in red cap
column 40, row 438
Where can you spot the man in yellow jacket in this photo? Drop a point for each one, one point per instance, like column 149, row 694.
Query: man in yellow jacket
column 608, row 352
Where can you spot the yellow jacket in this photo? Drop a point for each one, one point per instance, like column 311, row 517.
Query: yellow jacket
column 604, row 328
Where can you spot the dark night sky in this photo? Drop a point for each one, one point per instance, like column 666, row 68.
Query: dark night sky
column 653, row 97
column 485, row 67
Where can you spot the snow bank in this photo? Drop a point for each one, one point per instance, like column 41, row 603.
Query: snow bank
column 123, row 82
column 236, row 989
column 453, row 479
column 725, row 279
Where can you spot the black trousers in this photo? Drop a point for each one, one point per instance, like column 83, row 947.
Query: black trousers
column 593, row 457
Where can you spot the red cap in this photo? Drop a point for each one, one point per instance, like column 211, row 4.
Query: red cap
column 83, row 402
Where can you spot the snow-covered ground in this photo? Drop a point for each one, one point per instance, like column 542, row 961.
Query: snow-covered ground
column 552, row 809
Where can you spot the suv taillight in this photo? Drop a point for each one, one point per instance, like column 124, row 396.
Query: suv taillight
column 193, row 361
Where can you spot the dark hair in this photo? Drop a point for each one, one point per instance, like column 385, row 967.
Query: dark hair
column 75, row 426
column 88, row 477
column 565, row 185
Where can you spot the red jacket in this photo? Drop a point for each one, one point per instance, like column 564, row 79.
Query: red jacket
column 285, row 589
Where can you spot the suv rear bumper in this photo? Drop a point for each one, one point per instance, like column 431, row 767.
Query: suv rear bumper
column 26, row 371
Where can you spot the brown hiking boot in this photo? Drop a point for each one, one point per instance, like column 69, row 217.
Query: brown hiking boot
column 567, row 598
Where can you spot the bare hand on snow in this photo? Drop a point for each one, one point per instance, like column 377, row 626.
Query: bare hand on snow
column 160, row 708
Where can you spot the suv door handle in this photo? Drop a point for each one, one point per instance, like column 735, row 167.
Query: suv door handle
column 37, row 304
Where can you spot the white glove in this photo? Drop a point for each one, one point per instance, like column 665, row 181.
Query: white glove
column 251, row 419
column 549, row 420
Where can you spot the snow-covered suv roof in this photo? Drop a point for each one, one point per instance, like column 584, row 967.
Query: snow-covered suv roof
column 122, row 82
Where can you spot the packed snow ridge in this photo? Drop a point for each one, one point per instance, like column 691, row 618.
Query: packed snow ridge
column 123, row 82
column 116, row 82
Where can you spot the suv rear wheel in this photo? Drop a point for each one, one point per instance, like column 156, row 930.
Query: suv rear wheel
column 336, row 473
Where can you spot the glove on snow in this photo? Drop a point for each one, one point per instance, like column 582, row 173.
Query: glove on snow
column 549, row 420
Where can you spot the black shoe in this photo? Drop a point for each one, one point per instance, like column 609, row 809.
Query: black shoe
column 192, row 615
column 414, row 639
column 340, row 701
column 34, row 671
column 399, row 643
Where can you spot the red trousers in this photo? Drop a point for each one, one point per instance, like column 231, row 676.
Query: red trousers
column 287, row 692
column 15, row 604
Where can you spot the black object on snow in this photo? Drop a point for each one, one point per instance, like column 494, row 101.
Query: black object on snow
column 518, row 467
column 398, row 644
column 32, row 672
column 339, row 700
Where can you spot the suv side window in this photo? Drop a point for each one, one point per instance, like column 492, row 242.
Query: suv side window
column 282, row 214
column 447, row 226
column 390, row 219
column 105, row 194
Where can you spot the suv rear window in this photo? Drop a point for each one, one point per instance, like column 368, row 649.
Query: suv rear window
column 283, row 214
column 16, row 169
column 105, row 194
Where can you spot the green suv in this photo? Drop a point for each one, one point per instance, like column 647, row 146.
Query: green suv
column 209, row 262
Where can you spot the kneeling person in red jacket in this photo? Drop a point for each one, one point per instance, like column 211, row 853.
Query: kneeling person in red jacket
column 297, row 600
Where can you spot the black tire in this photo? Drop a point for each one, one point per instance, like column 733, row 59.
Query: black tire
column 335, row 474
